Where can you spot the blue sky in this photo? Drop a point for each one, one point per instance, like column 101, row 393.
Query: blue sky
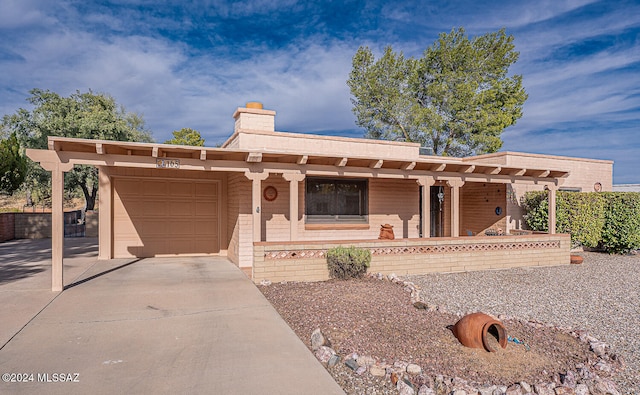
column 191, row 64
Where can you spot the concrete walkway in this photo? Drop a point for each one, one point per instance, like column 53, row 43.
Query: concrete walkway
column 154, row 325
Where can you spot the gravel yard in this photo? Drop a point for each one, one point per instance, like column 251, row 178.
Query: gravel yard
column 601, row 296
column 376, row 318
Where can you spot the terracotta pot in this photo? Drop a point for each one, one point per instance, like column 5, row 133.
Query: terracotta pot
column 576, row 259
column 473, row 330
column 386, row 232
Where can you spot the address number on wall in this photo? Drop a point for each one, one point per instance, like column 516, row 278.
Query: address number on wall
column 168, row 163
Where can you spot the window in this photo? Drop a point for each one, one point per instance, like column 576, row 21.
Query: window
column 330, row 200
column 569, row 189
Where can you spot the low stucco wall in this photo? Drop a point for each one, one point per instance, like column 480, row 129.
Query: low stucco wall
column 305, row 261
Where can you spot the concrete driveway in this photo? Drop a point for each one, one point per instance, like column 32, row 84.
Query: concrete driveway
column 154, row 325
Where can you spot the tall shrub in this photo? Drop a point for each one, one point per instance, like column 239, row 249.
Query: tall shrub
column 536, row 209
column 621, row 231
column 582, row 216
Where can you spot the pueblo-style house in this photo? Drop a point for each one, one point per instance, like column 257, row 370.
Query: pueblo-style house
column 274, row 202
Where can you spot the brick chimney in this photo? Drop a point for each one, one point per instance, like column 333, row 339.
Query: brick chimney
column 254, row 117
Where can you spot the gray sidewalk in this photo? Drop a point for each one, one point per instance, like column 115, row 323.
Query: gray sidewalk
column 154, row 325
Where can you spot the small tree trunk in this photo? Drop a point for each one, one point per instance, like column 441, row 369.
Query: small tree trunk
column 89, row 197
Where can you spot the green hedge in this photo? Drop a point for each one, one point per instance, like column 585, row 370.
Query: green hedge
column 610, row 220
column 348, row 262
column 621, row 232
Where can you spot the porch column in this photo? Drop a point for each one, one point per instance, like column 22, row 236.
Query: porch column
column 551, row 190
column 455, row 206
column 256, row 199
column 294, row 179
column 57, row 170
column 426, row 182
column 104, row 215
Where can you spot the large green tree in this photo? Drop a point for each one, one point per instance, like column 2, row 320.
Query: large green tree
column 456, row 99
column 186, row 136
column 81, row 115
column 13, row 165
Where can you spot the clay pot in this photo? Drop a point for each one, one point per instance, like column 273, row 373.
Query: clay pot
column 473, row 330
column 386, row 232
column 576, row 259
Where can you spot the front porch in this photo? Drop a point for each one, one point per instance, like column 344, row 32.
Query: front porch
column 306, row 261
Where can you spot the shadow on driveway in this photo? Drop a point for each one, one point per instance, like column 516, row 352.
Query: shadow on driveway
column 20, row 259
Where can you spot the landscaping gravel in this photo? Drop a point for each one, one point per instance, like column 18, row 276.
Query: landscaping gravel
column 600, row 296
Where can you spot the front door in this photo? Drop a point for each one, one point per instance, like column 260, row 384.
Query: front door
column 437, row 212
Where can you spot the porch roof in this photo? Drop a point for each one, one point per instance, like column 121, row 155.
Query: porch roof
column 133, row 154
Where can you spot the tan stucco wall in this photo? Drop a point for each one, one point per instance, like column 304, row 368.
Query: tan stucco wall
column 403, row 257
column 583, row 174
column 478, row 202
column 239, row 226
column 304, row 144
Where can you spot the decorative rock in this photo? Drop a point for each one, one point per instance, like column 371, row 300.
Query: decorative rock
column 333, row 361
column 562, row 390
column 400, row 366
column 487, row 390
column 404, row 388
column 582, row 389
column 324, row 353
column 598, row 347
column 501, row 390
column 603, row 366
column 424, row 390
column 377, row 371
column 361, row 370
column 544, row 389
column 265, row 283
column 366, row 360
column 351, row 364
column 413, row 369
column 459, row 392
column 317, row 339
column 605, row 387
column 392, row 277
column 514, row 389
column 568, row 379
column 525, row 387
column 585, row 373
column 420, row 305
column 440, row 384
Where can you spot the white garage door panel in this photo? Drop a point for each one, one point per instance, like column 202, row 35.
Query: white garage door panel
column 164, row 217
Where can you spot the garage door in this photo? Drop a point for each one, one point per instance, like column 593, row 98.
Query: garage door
column 154, row 217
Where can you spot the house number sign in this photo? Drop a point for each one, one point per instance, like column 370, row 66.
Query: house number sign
column 163, row 163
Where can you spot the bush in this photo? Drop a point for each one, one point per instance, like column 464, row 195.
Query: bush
column 536, row 209
column 621, row 231
column 609, row 220
column 348, row 262
column 582, row 216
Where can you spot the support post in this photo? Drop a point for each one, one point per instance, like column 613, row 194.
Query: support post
column 455, row 206
column 426, row 182
column 294, row 179
column 57, row 170
column 105, row 235
column 551, row 190
column 256, row 199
